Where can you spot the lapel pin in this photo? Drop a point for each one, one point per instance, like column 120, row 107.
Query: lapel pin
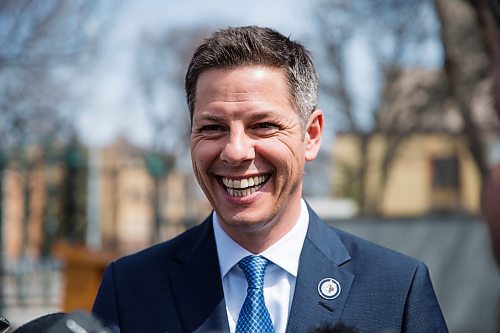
column 329, row 288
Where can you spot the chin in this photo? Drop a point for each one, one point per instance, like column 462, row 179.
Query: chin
column 249, row 223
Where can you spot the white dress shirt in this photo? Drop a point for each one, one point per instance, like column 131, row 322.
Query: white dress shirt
column 280, row 276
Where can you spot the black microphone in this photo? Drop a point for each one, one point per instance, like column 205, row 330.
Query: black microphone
column 79, row 322
column 41, row 324
column 74, row 322
column 4, row 325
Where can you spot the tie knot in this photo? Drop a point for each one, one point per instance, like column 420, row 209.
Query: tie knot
column 254, row 268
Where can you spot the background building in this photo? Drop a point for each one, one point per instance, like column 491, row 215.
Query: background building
column 418, row 160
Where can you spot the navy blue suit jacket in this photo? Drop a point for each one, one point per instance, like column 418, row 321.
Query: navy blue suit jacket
column 176, row 286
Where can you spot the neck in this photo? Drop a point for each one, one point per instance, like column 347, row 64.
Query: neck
column 257, row 239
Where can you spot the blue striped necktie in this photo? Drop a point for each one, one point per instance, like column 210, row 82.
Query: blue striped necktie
column 254, row 317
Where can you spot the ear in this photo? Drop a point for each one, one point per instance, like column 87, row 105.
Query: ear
column 314, row 132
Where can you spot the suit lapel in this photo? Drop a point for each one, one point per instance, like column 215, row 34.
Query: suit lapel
column 197, row 284
column 322, row 257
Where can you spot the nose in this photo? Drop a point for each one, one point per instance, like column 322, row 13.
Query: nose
column 238, row 149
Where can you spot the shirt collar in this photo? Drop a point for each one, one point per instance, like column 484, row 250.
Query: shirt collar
column 284, row 253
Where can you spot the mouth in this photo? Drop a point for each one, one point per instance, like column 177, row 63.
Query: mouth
column 244, row 186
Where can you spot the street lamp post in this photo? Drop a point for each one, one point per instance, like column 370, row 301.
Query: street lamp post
column 157, row 168
column 72, row 228
column 3, row 165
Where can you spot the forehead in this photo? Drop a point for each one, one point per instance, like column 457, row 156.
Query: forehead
column 244, row 84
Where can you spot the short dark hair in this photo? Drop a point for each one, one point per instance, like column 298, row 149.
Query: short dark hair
column 252, row 45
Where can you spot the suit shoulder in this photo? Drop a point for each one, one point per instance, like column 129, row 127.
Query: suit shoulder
column 162, row 253
column 344, row 245
column 364, row 250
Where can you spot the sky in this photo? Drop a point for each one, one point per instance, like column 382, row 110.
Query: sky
column 112, row 109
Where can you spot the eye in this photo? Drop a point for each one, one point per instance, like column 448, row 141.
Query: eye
column 266, row 126
column 211, row 128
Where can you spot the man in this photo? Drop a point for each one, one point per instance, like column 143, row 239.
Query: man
column 263, row 261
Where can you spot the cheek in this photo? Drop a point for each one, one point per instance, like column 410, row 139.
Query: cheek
column 197, row 160
column 203, row 156
column 196, row 171
column 282, row 154
column 198, row 164
column 201, row 176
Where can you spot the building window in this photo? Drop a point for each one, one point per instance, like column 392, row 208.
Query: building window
column 445, row 173
column 445, row 192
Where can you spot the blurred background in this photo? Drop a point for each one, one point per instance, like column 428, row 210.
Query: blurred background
column 94, row 158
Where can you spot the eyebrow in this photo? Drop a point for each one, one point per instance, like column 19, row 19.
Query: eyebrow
column 208, row 116
column 215, row 117
column 261, row 115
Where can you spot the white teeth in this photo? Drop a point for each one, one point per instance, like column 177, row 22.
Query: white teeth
column 243, row 187
column 243, row 183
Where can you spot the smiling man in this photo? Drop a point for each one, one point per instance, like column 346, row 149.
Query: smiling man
column 248, row 148
column 263, row 261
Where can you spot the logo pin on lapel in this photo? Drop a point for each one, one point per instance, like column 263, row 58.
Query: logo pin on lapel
column 329, row 288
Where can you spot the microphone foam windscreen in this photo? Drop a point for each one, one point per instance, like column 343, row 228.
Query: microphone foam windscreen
column 41, row 324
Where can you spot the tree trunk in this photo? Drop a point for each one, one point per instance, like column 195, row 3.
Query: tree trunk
column 364, row 207
column 462, row 77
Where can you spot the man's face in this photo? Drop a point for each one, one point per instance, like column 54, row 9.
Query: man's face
column 248, row 148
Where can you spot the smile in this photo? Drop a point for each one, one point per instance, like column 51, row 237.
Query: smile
column 244, row 187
